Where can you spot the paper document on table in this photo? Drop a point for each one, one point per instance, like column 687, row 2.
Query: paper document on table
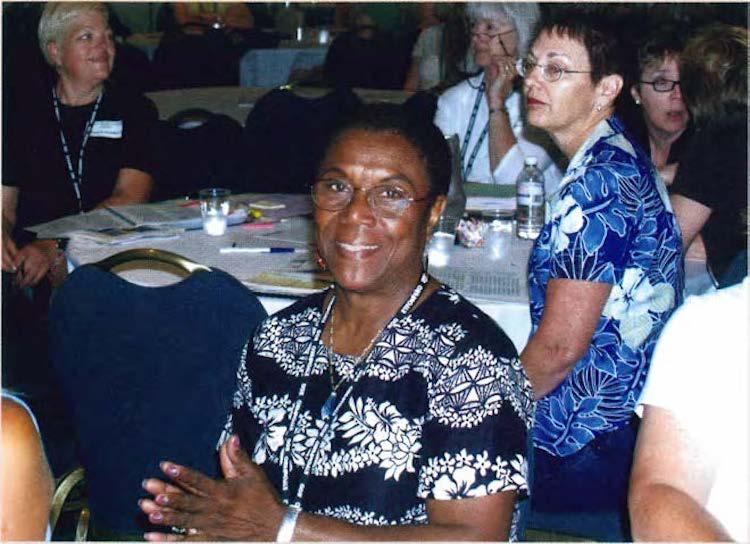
column 168, row 214
column 288, row 283
column 276, row 206
column 94, row 220
column 488, row 203
column 482, row 284
column 294, row 231
column 171, row 214
column 126, row 235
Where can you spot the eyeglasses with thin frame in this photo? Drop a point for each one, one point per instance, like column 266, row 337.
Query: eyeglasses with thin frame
column 550, row 72
column 491, row 37
column 662, row 85
column 386, row 200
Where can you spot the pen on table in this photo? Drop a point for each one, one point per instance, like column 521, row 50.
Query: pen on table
column 235, row 249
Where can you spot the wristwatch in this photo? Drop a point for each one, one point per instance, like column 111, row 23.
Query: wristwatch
column 61, row 243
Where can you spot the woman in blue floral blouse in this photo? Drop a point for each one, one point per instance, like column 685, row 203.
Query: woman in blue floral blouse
column 368, row 409
column 604, row 276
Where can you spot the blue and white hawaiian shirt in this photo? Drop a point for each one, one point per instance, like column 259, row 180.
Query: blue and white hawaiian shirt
column 609, row 222
column 442, row 412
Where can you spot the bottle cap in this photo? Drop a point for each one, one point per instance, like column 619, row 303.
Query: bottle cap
column 530, row 161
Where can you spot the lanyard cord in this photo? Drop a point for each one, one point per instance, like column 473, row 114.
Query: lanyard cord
column 286, row 454
column 469, row 130
column 76, row 179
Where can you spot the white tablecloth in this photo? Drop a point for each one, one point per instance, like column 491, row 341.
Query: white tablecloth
column 272, row 67
column 510, row 312
column 497, row 287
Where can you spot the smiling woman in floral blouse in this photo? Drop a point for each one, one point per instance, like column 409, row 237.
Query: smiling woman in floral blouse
column 604, row 276
column 385, row 408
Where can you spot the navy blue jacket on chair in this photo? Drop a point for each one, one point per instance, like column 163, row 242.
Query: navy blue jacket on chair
column 149, row 375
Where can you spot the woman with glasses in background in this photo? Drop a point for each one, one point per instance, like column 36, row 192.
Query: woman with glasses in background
column 370, row 407
column 486, row 110
column 662, row 122
column 605, row 274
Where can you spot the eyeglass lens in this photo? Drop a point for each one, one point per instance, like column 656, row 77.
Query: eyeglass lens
column 386, row 200
column 550, row 72
column 663, row 85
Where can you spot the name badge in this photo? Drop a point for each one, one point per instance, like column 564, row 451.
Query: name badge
column 107, row 129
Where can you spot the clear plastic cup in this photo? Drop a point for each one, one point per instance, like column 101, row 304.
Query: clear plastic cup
column 214, row 210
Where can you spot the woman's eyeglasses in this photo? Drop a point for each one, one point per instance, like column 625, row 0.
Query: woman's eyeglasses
column 387, row 200
column 662, row 85
column 491, row 36
column 550, row 72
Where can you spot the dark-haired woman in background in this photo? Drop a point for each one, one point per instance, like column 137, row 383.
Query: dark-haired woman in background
column 369, row 408
column 662, row 127
column 605, row 274
column 709, row 194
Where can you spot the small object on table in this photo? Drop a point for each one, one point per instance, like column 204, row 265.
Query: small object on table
column 498, row 232
column 214, row 210
column 442, row 241
column 235, row 249
column 471, row 231
column 267, row 205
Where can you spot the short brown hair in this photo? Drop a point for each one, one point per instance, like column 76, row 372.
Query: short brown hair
column 713, row 72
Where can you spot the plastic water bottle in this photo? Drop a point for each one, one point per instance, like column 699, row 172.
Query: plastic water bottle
column 529, row 200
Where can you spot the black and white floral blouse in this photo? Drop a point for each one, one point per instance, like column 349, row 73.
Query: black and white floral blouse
column 442, row 412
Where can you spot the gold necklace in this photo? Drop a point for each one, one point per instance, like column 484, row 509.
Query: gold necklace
column 330, row 404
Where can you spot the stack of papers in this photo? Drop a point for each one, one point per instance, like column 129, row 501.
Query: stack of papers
column 171, row 214
column 121, row 236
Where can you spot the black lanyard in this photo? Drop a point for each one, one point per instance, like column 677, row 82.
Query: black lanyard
column 286, row 454
column 469, row 130
column 75, row 178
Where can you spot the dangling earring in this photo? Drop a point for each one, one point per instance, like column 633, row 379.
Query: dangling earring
column 637, row 101
column 321, row 261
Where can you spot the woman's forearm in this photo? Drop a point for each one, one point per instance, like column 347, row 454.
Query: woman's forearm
column 482, row 518
column 546, row 363
column 319, row 528
column 571, row 312
column 661, row 512
column 501, row 137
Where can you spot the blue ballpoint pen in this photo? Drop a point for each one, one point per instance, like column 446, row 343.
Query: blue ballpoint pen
column 235, row 249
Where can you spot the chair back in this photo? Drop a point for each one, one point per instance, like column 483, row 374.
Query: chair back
column 197, row 149
column 284, row 135
column 149, row 375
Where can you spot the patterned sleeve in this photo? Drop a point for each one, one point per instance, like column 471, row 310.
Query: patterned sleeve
column 240, row 400
column 480, row 410
column 591, row 227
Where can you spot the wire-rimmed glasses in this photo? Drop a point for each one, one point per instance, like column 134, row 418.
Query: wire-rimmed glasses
column 550, row 72
column 385, row 200
column 662, row 85
column 492, row 35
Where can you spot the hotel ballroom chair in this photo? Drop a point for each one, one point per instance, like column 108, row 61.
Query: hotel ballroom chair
column 148, row 374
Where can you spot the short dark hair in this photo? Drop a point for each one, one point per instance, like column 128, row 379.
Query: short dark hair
column 659, row 44
column 416, row 129
column 713, row 72
column 596, row 32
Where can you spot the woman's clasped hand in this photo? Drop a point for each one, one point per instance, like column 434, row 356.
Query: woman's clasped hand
column 218, row 507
